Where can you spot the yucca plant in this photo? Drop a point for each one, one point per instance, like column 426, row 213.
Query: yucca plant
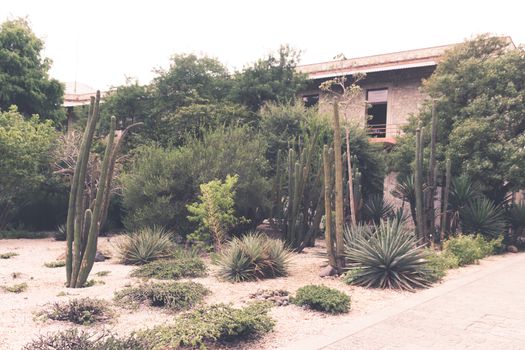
column 482, row 216
column 145, row 245
column 404, row 190
column 376, row 209
column 462, row 192
column 389, row 258
column 252, row 257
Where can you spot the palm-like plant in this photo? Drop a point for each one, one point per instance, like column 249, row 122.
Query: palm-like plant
column 516, row 218
column 389, row 258
column 404, row 190
column 377, row 209
column 462, row 192
column 482, row 216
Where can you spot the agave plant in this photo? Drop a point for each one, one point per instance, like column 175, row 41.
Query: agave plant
column 253, row 256
column 462, row 191
column 482, row 216
column 389, row 258
column 376, row 209
column 404, row 190
column 145, row 245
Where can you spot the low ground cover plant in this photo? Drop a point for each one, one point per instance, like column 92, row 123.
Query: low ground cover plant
column 73, row 339
column 439, row 262
column 253, row 256
column 174, row 296
column 84, row 311
column 183, row 263
column 16, row 288
column 54, row 264
column 386, row 257
column 8, row 255
column 145, row 245
column 210, row 325
column 16, row 234
column 322, row 298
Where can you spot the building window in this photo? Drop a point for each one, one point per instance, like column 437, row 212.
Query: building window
column 311, row 100
column 377, row 107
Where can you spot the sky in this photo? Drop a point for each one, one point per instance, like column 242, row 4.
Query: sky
column 100, row 43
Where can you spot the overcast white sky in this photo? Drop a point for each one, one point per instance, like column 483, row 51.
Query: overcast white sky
column 100, row 42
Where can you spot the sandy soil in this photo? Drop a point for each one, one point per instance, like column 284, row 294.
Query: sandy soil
column 18, row 325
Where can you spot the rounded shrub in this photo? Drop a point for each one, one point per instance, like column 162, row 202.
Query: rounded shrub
column 252, row 257
column 322, row 298
column 82, row 311
column 182, row 263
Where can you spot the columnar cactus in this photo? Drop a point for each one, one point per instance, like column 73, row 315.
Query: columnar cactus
column 327, row 167
column 418, row 186
column 83, row 224
column 339, row 204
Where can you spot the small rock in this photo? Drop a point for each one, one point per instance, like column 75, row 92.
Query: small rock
column 512, row 249
column 328, row 271
column 99, row 257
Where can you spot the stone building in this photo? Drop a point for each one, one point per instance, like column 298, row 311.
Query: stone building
column 390, row 88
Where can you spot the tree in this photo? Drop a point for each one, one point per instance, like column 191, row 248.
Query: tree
column 273, row 78
column 479, row 95
column 24, row 146
column 24, row 78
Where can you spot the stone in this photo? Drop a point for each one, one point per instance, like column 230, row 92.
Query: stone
column 99, row 257
column 512, row 249
column 328, row 270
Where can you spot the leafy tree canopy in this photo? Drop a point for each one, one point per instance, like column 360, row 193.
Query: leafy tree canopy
column 24, row 79
column 479, row 93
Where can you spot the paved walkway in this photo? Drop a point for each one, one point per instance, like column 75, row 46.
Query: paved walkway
column 482, row 310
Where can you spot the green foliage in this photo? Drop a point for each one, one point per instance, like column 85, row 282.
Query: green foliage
column 387, row 258
column 24, row 145
column 73, row 339
column 214, row 212
column 469, row 249
column 515, row 215
column 482, row 216
column 17, row 234
column 211, row 325
column 16, row 288
column 479, row 93
column 160, row 183
column 175, row 296
column 253, row 256
column 8, row 255
column 182, row 264
column 439, row 262
column 145, row 245
column 60, row 234
column 102, row 273
column 273, row 78
column 377, row 209
column 55, row 264
column 322, row 298
column 84, row 311
column 24, row 77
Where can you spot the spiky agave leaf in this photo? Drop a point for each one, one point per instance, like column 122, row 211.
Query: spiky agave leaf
column 376, row 208
column 145, row 245
column 253, row 256
column 389, row 258
column 482, row 216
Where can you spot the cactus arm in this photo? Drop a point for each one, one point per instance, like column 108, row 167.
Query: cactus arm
column 418, row 186
column 91, row 245
column 339, row 210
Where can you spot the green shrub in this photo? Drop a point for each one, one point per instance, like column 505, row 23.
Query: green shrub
column 482, row 216
column 439, row 262
column 73, row 339
column 182, row 265
column 210, row 325
column 54, row 264
column 388, row 257
column 161, row 182
column 84, row 311
column 322, row 298
column 145, row 245
column 60, row 234
column 8, row 255
column 467, row 249
column 175, row 296
column 16, row 288
column 102, row 273
column 16, row 234
column 253, row 256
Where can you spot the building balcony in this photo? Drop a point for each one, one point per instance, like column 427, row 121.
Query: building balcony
column 383, row 133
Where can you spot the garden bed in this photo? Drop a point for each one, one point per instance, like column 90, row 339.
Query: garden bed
column 46, row 285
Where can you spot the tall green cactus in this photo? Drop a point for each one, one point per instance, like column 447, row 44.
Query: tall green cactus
column 328, row 185
column 418, row 186
column 444, row 203
column 339, row 202
column 83, row 224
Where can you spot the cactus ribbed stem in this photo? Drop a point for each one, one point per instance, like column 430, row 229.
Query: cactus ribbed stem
column 328, row 205
column 339, row 209
column 418, row 176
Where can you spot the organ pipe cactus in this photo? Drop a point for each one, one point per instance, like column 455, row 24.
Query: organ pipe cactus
column 418, row 186
column 83, row 224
